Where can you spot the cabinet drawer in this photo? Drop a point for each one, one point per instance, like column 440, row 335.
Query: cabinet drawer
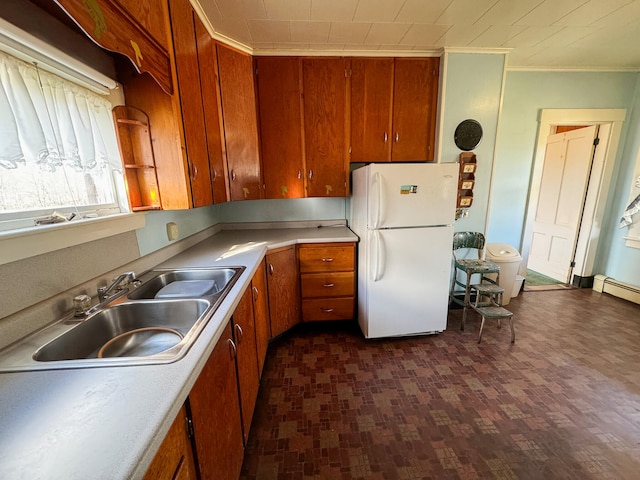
column 314, row 309
column 336, row 258
column 335, row 284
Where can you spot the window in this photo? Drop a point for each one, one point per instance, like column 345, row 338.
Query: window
column 58, row 150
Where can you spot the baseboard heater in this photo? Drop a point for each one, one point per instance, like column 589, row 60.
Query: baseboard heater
column 602, row 283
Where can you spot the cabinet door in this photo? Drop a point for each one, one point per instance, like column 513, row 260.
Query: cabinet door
column 136, row 31
column 371, row 100
column 247, row 358
column 174, row 459
column 284, row 290
column 216, row 414
column 415, row 101
column 207, row 60
column 240, row 123
column 279, row 99
column 324, row 87
column 188, row 75
column 261, row 313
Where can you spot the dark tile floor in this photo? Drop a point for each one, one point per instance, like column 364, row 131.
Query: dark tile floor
column 562, row 403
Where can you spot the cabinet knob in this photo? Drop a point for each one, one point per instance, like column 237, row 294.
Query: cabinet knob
column 299, row 174
column 256, row 293
column 397, row 137
column 327, row 260
column 310, row 174
column 194, row 172
column 386, row 137
column 233, row 175
column 327, row 310
column 239, row 333
column 329, row 285
column 215, row 175
column 271, row 268
column 232, row 348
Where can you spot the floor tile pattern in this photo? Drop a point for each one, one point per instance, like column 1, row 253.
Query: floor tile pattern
column 563, row 402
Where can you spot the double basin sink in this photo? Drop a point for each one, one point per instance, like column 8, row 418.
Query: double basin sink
column 155, row 322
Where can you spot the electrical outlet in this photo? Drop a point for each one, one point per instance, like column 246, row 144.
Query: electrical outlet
column 172, row 231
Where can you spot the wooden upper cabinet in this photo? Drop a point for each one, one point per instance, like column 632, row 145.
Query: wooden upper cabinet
column 393, row 109
column 324, row 87
column 190, row 92
column 208, row 62
column 279, row 98
column 371, row 103
column 415, row 101
column 240, row 123
column 134, row 28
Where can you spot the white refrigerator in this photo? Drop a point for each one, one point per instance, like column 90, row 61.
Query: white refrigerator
column 403, row 214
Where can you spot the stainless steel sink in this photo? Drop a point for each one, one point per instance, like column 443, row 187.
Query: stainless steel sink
column 86, row 339
column 135, row 329
column 217, row 278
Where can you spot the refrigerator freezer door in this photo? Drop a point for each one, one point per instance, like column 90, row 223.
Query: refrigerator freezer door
column 409, row 195
column 406, row 281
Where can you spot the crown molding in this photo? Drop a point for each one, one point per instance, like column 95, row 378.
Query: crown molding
column 478, row 50
column 215, row 35
column 265, row 52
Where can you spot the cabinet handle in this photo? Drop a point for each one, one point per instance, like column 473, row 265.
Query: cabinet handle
column 299, row 174
column 310, row 174
column 329, row 285
column 256, row 294
column 271, row 268
column 397, row 137
column 233, row 174
column 194, row 172
column 327, row 260
column 239, row 332
column 215, row 175
column 327, row 310
column 386, row 137
column 232, row 348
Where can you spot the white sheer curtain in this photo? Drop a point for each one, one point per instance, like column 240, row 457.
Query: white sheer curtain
column 50, row 121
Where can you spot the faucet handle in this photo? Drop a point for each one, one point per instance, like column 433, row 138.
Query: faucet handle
column 81, row 303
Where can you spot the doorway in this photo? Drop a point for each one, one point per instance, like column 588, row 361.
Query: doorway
column 566, row 249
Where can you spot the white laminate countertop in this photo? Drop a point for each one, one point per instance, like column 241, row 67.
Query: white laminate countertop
column 108, row 422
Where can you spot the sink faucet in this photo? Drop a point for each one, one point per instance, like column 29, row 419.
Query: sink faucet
column 118, row 284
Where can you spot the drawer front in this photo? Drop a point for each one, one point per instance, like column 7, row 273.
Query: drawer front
column 336, row 284
column 327, row 259
column 316, row 309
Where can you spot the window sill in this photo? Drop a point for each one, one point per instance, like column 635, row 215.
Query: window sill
column 29, row 242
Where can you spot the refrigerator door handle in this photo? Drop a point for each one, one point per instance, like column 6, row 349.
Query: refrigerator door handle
column 377, row 200
column 380, row 257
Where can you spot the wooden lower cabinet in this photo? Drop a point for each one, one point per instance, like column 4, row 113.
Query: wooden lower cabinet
column 261, row 313
column 215, row 411
column 244, row 332
column 284, row 289
column 174, row 460
column 327, row 279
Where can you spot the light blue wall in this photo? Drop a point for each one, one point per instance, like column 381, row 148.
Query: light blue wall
column 473, row 86
column 282, row 210
column 526, row 93
column 154, row 235
column 614, row 258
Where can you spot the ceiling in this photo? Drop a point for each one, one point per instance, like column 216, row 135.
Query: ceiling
column 580, row 34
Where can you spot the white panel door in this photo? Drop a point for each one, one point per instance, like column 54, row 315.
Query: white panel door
column 413, row 194
column 565, row 177
column 408, row 281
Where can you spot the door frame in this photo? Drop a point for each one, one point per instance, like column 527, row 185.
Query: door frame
column 610, row 121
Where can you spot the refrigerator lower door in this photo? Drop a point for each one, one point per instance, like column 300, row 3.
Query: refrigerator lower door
column 407, row 281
